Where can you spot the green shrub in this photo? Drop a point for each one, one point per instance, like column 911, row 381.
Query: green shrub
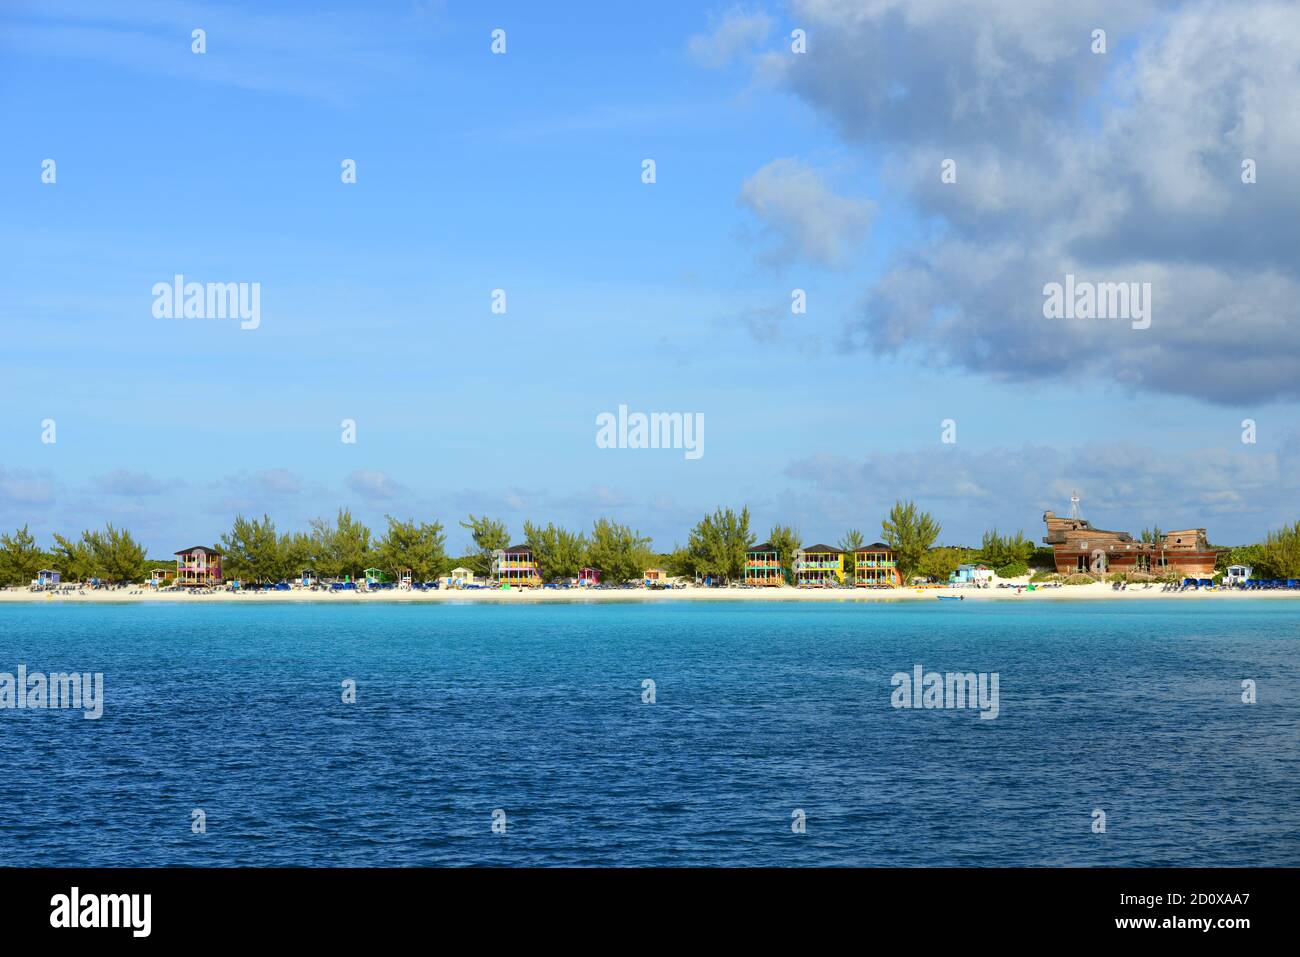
column 1044, row 558
column 1013, row 570
column 1040, row 577
column 1078, row 578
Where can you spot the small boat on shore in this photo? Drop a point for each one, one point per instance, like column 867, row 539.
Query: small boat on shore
column 950, row 597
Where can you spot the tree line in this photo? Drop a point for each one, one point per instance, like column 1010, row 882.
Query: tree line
column 111, row 554
column 254, row 550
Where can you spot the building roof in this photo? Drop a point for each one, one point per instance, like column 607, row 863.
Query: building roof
column 876, row 547
column 823, row 549
column 198, row 548
column 517, row 550
column 765, row 547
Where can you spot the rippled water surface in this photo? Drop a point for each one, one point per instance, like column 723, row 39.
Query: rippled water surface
column 1130, row 707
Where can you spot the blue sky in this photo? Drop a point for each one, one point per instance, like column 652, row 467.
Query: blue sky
column 523, row 172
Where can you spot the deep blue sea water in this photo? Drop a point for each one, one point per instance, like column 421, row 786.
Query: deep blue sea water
column 1130, row 707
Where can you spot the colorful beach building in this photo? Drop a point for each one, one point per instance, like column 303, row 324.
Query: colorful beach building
column 819, row 566
column 516, row 566
column 763, row 565
column 876, row 566
column 458, row 577
column 972, row 575
column 588, row 577
column 1238, row 574
column 48, row 576
column 198, row 566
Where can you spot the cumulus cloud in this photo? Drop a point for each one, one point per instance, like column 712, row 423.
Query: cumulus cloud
column 804, row 217
column 377, row 486
column 25, row 487
column 1238, row 492
column 1121, row 167
column 736, row 31
column 262, row 490
column 127, row 484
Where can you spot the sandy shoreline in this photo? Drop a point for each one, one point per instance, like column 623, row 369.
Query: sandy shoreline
column 1095, row 591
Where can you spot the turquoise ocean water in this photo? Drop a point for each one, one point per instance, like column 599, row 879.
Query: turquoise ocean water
column 1132, row 708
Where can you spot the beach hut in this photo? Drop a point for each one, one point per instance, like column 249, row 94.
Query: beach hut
column 308, row 578
column 198, row 566
column 971, row 575
column 47, row 576
column 515, row 566
column 1237, row 574
column 876, row 566
column 763, row 565
column 375, row 576
column 654, row 578
column 161, row 576
column 588, row 577
column 819, row 566
column 457, row 578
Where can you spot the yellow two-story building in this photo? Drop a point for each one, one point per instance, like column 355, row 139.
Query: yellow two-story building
column 516, row 566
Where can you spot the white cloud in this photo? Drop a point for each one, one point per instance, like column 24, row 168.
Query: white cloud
column 375, row 485
column 735, row 31
column 25, row 487
column 1237, row 491
column 807, row 220
column 1117, row 167
column 127, row 484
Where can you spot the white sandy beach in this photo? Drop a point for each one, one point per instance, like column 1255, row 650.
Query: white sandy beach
column 1098, row 591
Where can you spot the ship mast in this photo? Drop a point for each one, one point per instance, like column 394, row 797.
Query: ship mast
column 1074, row 505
